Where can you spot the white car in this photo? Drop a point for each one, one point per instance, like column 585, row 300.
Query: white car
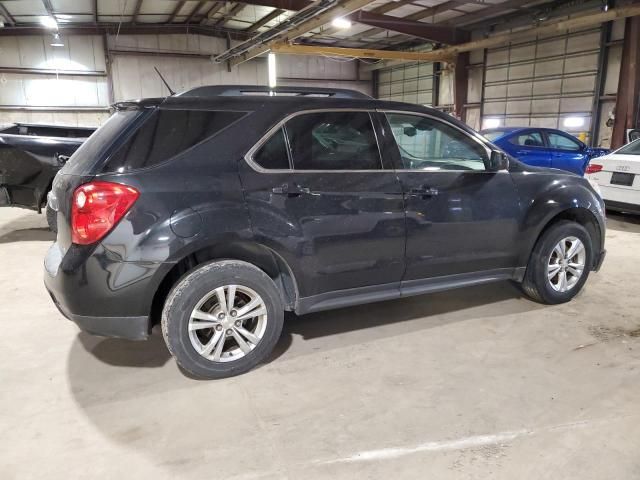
column 618, row 176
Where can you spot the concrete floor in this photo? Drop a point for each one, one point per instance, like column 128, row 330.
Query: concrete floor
column 475, row 383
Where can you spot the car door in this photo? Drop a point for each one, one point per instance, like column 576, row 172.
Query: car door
column 568, row 152
column 318, row 196
column 529, row 147
column 461, row 218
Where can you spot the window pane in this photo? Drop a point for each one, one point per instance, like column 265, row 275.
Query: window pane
column 428, row 144
column 333, row 141
column 530, row 139
column 273, row 154
column 562, row 142
column 632, row 148
column 166, row 133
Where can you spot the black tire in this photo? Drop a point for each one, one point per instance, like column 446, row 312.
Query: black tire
column 52, row 219
column 194, row 286
column 536, row 284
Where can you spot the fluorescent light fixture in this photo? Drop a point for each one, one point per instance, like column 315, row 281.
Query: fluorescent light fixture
column 271, row 62
column 573, row 122
column 341, row 23
column 49, row 22
column 491, row 122
column 57, row 41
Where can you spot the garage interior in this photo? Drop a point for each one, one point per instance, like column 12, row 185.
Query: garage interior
column 473, row 383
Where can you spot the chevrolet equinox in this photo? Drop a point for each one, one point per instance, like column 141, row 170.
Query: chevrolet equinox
column 213, row 211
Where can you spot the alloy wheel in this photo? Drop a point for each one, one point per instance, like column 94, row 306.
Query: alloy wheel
column 566, row 264
column 228, row 323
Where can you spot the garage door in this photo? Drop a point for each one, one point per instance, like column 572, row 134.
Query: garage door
column 412, row 83
column 549, row 82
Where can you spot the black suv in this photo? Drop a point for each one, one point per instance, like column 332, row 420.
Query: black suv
column 214, row 211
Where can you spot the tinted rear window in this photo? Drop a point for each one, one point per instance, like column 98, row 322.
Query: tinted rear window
column 94, row 148
column 632, row 148
column 491, row 136
column 167, row 133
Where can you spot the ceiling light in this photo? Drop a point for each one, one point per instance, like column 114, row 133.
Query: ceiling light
column 271, row 63
column 49, row 22
column 57, row 41
column 341, row 23
column 573, row 122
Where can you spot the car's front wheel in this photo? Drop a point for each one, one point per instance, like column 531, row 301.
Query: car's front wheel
column 222, row 319
column 559, row 264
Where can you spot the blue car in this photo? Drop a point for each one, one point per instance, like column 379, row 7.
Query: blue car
column 544, row 147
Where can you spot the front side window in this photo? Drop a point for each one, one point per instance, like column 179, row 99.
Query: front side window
column 333, row 141
column 167, row 133
column 429, row 144
column 562, row 143
column 529, row 139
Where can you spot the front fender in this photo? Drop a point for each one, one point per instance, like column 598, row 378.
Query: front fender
column 549, row 196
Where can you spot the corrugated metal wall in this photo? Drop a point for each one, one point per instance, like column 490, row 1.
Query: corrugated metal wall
column 70, row 85
column 412, row 83
column 543, row 82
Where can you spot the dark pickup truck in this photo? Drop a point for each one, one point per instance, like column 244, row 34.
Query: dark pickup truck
column 30, row 156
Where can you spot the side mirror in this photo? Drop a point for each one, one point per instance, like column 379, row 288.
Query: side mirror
column 498, row 161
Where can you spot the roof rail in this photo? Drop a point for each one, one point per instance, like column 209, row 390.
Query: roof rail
column 260, row 90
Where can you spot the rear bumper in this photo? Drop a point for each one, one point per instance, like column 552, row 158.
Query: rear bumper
column 103, row 296
column 131, row 328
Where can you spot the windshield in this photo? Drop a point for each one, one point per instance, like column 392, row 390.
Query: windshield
column 632, row 148
column 91, row 151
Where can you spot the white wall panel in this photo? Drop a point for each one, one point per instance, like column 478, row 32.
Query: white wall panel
column 133, row 75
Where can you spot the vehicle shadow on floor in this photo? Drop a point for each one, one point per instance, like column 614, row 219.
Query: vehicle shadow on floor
column 40, row 234
column 330, row 329
column 623, row 222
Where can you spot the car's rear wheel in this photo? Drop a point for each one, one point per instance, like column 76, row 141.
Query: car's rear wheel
column 222, row 319
column 559, row 264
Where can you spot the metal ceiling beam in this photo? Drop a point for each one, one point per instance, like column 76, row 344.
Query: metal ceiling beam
column 136, row 11
column 425, row 13
column 7, row 16
column 48, row 7
column 212, row 11
column 448, row 53
column 176, row 10
column 95, row 11
column 340, row 10
column 488, row 12
column 426, row 31
column 264, row 20
column 195, row 10
column 128, row 28
column 293, row 5
column 237, row 8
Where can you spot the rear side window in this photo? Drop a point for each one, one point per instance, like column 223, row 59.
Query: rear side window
column 167, row 133
column 562, row 143
column 84, row 159
column 273, row 154
column 529, row 139
column 333, row 141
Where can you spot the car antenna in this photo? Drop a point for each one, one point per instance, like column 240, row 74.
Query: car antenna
column 164, row 81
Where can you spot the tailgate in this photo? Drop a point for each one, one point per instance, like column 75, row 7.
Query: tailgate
column 621, row 171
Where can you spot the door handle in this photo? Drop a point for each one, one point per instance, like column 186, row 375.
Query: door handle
column 290, row 190
column 424, row 191
column 522, row 152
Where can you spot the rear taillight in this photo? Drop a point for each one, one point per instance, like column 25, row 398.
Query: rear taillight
column 97, row 207
column 593, row 168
